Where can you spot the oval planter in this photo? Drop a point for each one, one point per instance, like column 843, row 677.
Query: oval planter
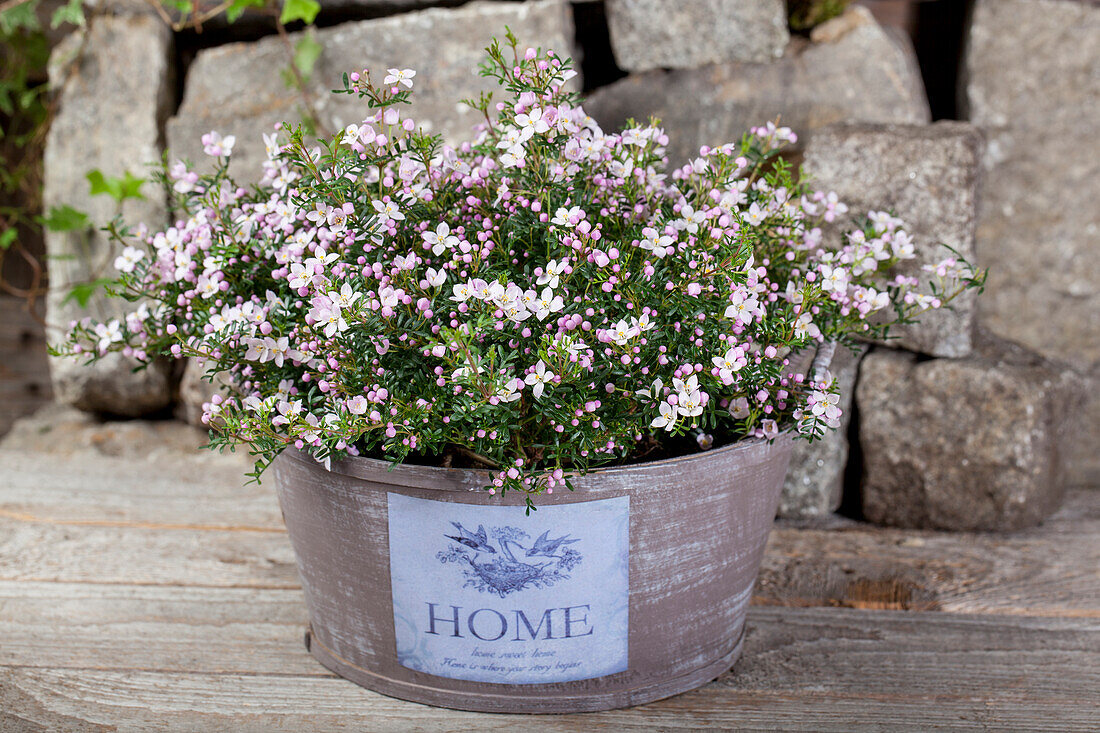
column 631, row 588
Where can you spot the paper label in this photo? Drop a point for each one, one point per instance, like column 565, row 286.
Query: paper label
column 489, row 594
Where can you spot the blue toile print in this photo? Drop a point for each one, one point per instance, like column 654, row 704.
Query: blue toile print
column 489, row 594
column 501, row 560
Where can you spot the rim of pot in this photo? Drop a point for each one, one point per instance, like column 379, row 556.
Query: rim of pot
column 466, row 479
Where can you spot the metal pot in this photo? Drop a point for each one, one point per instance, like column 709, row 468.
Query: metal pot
column 631, row 588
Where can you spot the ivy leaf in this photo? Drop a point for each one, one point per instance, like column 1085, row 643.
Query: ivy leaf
column 71, row 12
column 18, row 17
column 303, row 10
column 7, row 239
column 65, row 219
column 83, row 292
column 237, row 7
column 120, row 189
column 306, row 53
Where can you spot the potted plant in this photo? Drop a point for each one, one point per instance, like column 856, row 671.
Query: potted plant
column 529, row 401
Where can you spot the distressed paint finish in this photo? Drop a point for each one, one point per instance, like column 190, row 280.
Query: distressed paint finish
column 698, row 526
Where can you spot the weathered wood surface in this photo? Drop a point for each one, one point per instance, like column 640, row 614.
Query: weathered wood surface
column 181, row 667
column 1051, row 570
column 160, row 593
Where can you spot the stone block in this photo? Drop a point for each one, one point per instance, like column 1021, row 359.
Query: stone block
column 863, row 74
column 656, row 34
column 929, row 176
column 238, row 89
column 1031, row 83
column 961, row 444
column 109, row 118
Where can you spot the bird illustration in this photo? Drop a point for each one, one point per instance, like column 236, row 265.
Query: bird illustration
column 546, row 546
column 476, row 541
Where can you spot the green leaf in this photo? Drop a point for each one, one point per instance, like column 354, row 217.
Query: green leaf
column 65, row 219
column 306, row 53
column 83, row 292
column 237, row 8
column 130, row 186
column 71, row 12
column 19, row 17
column 120, row 189
column 98, row 182
column 303, row 10
column 7, row 239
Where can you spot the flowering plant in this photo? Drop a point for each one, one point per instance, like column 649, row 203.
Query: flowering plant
column 542, row 300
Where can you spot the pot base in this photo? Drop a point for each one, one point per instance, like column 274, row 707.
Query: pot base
column 554, row 702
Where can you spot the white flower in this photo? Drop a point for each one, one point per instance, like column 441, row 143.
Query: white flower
column 214, row 145
column 552, row 274
column 826, row 404
column 405, row 262
column 729, row 363
column 622, row 332
column 564, row 217
column 108, row 333
column 287, row 412
column 513, row 138
column 388, row 209
column 683, row 386
column 270, row 349
column 389, row 297
column 271, row 144
column 755, row 215
column 509, row 391
column 805, row 327
column 127, row 261
column 902, row 245
column 462, row 293
column 690, row 404
column 548, row 303
column 690, row 219
column 513, row 158
column 300, row 276
column 346, row 298
column 515, row 311
column 666, row 417
column 739, row 408
column 399, row 76
column 643, row 324
column 744, row 307
column 833, row 279
column 357, row 405
column 532, row 121
column 207, row 287
column 330, row 318
column 654, row 391
column 655, row 242
column 436, row 278
column 539, row 378
column 441, row 239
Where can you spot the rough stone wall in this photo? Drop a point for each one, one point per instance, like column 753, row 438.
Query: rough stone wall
column 954, row 425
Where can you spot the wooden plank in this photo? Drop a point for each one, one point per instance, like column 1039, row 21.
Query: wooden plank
column 154, row 628
column 1049, row 570
column 804, row 669
column 160, row 488
column 145, row 555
